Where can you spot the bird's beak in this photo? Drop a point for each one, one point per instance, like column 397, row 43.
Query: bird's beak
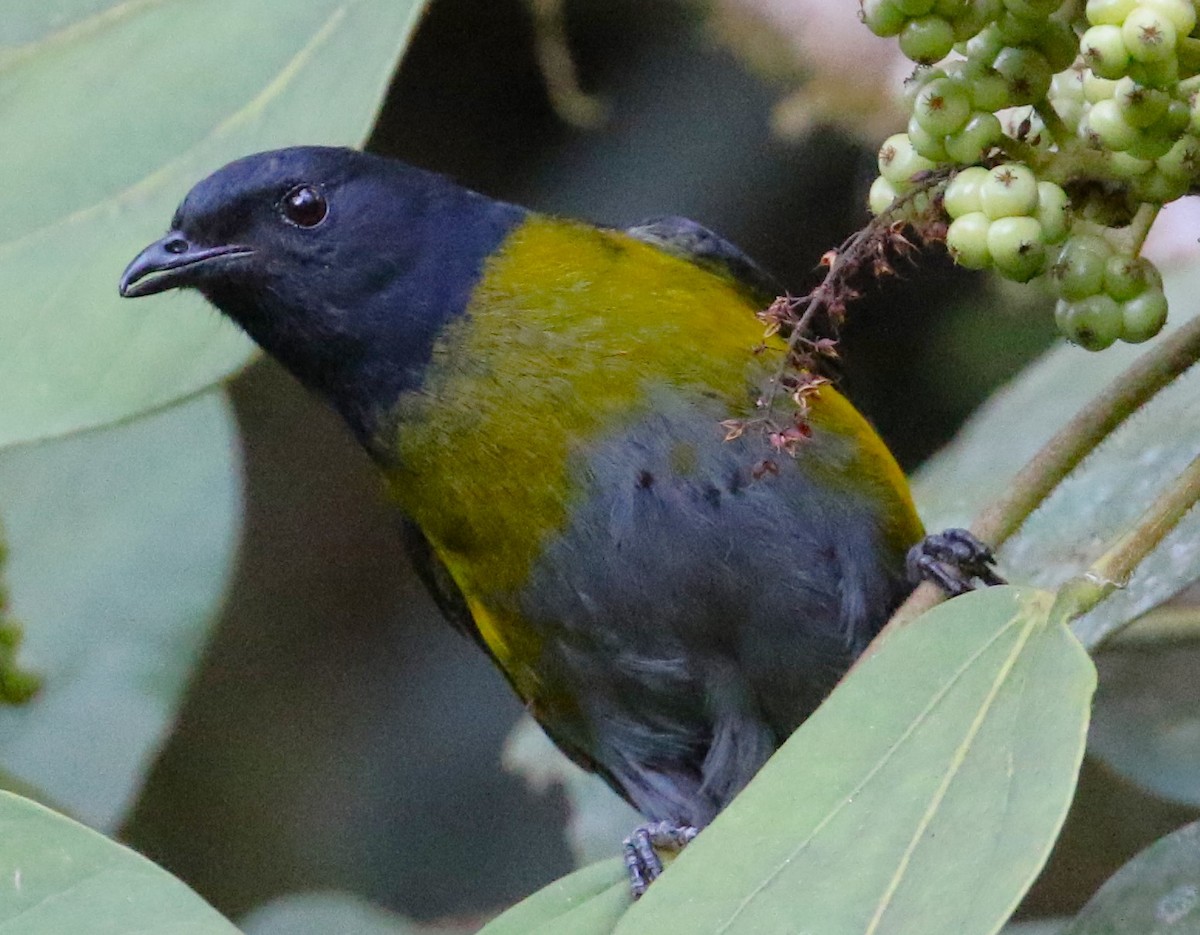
column 172, row 262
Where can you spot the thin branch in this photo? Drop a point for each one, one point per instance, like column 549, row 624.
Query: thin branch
column 1150, row 373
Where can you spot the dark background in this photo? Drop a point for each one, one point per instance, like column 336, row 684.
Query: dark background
column 339, row 734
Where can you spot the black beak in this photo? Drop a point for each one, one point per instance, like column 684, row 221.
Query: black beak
column 173, row 262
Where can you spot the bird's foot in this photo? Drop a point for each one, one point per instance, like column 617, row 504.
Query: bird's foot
column 953, row 560
column 641, row 858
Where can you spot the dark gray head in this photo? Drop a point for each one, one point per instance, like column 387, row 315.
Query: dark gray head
column 343, row 265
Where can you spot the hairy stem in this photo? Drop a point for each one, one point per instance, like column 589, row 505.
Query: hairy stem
column 1118, row 563
column 1150, row 373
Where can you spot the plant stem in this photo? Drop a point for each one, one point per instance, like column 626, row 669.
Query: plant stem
column 1189, row 54
column 1112, row 570
column 1058, row 130
column 1139, row 228
column 1118, row 563
column 1150, row 373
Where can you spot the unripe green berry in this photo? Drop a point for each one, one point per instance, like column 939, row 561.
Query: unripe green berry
column 881, row 195
column 1097, row 89
column 1175, row 121
column 1027, row 72
column 1149, row 145
column 979, row 13
column 1105, row 124
column 1058, row 42
column 989, row 91
column 951, row 9
column 914, row 7
column 927, row 39
column 1162, row 74
column 1010, row 190
column 899, row 161
column 1068, row 109
column 1079, row 269
column 1126, row 276
column 913, row 84
column 1052, row 212
column 1140, row 106
column 1016, row 30
column 1032, row 9
column 942, row 106
column 1109, row 12
column 1182, row 160
column 981, row 132
column 1181, row 13
column 1149, row 36
column 1017, row 248
column 1143, row 316
column 1093, row 323
column 966, row 239
column 883, row 17
column 925, row 143
column 985, row 45
column 1158, row 188
column 962, row 193
column 1104, row 51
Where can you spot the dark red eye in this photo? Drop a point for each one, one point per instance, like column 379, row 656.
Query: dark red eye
column 304, row 206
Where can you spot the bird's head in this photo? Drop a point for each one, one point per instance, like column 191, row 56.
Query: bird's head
column 281, row 228
column 343, row 265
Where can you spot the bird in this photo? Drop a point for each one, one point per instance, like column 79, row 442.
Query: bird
column 548, row 401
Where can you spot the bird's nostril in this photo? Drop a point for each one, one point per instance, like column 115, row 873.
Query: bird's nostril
column 176, row 245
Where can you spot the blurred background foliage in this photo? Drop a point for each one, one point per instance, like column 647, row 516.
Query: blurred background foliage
column 336, row 735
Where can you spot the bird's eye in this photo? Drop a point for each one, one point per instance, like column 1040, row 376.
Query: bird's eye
column 304, row 206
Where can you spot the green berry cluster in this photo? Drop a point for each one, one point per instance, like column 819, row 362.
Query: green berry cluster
column 1106, row 295
column 1042, row 129
column 1004, row 218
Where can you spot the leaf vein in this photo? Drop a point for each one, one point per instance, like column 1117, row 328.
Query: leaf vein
column 883, row 761
column 952, row 770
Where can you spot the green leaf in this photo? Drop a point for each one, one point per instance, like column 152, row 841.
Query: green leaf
column 923, row 796
column 121, row 547
column 586, row 902
column 330, row 914
column 1103, row 496
column 90, row 178
column 1156, row 893
column 57, row 876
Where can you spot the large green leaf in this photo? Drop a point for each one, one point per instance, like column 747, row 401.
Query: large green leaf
column 331, row 914
column 923, row 796
column 122, row 544
column 109, row 112
column 589, row 901
column 1100, row 499
column 57, row 876
column 1156, row 893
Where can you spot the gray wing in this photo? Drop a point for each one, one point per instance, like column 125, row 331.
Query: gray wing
column 694, row 242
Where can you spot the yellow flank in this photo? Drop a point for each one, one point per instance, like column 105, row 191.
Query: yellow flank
column 566, row 330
